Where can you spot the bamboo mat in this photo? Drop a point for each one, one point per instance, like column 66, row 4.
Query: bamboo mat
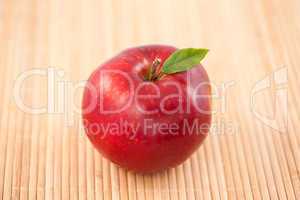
column 252, row 151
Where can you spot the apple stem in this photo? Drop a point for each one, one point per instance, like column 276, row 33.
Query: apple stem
column 154, row 70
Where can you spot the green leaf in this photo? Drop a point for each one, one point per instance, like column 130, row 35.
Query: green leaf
column 183, row 60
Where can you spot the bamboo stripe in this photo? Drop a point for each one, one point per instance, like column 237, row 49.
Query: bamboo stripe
column 48, row 156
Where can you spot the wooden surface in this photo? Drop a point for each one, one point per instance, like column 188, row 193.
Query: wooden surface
column 48, row 156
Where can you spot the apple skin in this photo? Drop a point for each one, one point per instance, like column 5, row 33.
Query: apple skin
column 145, row 149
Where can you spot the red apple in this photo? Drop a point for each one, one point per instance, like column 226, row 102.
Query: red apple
column 142, row 119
